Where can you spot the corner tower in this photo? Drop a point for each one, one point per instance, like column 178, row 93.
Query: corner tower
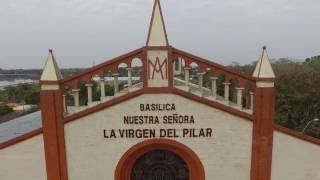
column 264, row 103
column 52, row 114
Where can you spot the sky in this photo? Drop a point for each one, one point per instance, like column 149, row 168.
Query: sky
column 87, row 32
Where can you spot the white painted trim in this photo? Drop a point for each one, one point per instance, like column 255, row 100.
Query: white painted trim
column 265, row 84
column 47, row 87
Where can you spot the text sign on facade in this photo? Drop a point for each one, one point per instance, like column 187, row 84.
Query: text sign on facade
column 155, row 125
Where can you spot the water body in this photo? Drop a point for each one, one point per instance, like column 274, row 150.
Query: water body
column 20, row 126
column 3, row 84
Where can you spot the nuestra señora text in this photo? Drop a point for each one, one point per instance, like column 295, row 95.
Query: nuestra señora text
column 154, row 116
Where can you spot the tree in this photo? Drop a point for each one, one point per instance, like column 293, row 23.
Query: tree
column 32, row 98
column 4, row 109
column 297, row 92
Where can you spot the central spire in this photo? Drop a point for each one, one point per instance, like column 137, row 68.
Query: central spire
column 157, row 32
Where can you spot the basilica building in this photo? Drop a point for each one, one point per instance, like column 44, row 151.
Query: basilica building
column 171, row 116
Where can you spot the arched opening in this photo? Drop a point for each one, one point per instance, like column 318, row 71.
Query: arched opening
column 123, row 76
column 160, row 164
column 127, row 164
column 178, row 65
column 137, row 75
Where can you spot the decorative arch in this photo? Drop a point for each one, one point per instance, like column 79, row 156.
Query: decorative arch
column 126, row 163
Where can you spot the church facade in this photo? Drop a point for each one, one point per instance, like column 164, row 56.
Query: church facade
column 171, row 116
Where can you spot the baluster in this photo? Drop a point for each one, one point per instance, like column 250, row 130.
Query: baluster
column 102, row 89
column 214, row 86
column 65, row 110
column 75, row 93
column 116, row 83
column 239, row 96
column 89, row 90
column 200, row 83
column 226, row 91
column 187, row 75
column 180, row 65
column 129, row 78
column 251, row 100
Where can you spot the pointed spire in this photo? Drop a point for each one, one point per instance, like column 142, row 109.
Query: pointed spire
column 51, row 71
column 263, row 68
column 157, row 31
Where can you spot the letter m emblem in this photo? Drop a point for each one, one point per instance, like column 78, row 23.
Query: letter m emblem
column 158, row 68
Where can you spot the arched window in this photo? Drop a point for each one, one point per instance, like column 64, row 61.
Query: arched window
column 147, row 152
column 160, row 165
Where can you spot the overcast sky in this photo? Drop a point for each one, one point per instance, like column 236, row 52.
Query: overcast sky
column 83, row 32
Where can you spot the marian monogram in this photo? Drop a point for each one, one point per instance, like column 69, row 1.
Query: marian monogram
column 159, row 68
column 158, row 64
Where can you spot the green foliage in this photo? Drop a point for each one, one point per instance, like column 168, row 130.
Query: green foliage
column 5, row 110
column 32, row 97
column 123, row 72
column 28, row 93
column 313, row 60
column 297, row 92
column 136, row 71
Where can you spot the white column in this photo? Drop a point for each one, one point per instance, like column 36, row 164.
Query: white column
column 187, row 75
column 226, row 91
column 102, row 89
column 180, row 65
column 129, row 77
column 116, row 83
column 89, row 90
column 251, row 100
column 75, row 93
column 65, row 110
column 214, row 86
column 239, row 96
column 200, row 83
column 200, row 79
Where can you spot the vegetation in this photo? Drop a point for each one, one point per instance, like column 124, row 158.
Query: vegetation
column 5, row 110
column 28, row 93
column 298, row 92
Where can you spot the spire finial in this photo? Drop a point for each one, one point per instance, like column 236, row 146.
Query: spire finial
column 263, row 68
column 157, row 32
column 51, row 71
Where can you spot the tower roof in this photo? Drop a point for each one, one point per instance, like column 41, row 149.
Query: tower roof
column 157, row 32
column 263, row 68
column 51, row 71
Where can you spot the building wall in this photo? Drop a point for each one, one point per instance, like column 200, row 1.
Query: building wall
column 225, row 156
column 24, row 160
column 294, row 159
